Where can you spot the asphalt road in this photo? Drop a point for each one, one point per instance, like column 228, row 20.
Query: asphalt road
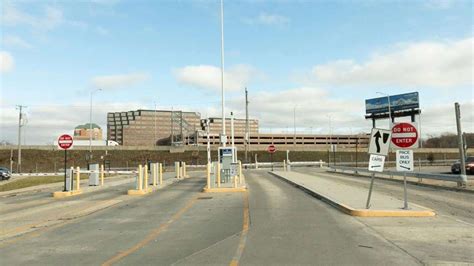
column 274, row 223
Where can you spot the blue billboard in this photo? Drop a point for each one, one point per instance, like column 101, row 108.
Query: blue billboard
column 400, row 102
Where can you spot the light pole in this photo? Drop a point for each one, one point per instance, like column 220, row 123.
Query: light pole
column 294, row 126
column 154, row 143
column 90, row 123
column 389, row 109
column 223, row 138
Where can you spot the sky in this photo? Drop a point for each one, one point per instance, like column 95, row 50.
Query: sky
column 309, row 64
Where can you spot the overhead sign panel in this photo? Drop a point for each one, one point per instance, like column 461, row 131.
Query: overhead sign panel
column 379, row 141
column 405, row 160
column 398, row 102
column 376, row 163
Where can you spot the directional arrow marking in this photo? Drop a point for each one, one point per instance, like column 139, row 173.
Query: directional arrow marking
column 377, row 137
column 404, row 167
column 385, row 137
column 373, row 166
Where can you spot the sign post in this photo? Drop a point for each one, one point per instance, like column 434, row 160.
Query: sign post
column 378, row 148
column 65, row 142
column 405, row 164
column 271, row 149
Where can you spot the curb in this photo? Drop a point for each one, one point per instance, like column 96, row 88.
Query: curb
column 64, row 194
column 224, row 189
column 360, row 212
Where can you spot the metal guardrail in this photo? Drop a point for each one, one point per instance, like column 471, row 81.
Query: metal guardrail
column 444, row 177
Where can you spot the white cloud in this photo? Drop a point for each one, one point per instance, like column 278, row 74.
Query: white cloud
column 16, row 42
column 268, row 19
column 439, row 4
column 430, row 64
column 119, row 81
column 46, row 123
column 51, row 18
column 312, row 105
column 208, row 77
column 102, row 31
column 6, row 62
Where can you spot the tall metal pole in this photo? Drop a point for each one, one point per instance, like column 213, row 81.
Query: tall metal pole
column 247, row 128
column 208, row 141
column 294, row 126
column 90, row 124
column 223, row 142
column 20, row 121
column 154, row 142
column 460, row 142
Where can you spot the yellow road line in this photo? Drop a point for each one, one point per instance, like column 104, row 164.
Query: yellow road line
column 243, row 237
column 151, row 236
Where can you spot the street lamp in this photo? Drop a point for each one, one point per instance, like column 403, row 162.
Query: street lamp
column 90, row 123
column 389, row 108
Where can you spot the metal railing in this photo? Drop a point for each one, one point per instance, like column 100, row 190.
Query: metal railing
column 444, row 177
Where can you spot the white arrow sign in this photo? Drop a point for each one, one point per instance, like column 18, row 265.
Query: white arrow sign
column 379, row 141
column 376, row 163
column 405, row 160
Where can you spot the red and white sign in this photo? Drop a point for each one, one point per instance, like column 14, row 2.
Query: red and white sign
column 404, row 135
column 271, row 148
column 65, row 142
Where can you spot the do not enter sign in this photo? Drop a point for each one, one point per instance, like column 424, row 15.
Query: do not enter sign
column 271, row 148
column 404, row 135
column 65, row 142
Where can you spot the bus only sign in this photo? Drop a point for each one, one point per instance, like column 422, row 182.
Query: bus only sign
column 404, row 135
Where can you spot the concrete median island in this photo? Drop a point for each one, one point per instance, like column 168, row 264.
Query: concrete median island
column 351, row 200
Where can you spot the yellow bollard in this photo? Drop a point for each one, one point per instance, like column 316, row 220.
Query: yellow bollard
column 177, row 168
column 218, row 172
column 155, row 173
column 140, row 177
column 235, row 181
column 146, row 177
column 240, row 172
column 184, row 169
column 78, row 178
column 101, row 174
column 208, row 176
column 160, row 172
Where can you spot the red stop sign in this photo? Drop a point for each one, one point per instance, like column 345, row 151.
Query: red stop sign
column 271, row 148
column 65, row 142
column 404, row 135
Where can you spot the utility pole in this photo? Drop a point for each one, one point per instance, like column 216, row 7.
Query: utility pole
column 247, row 129
column 20, row 125
column 460, row 143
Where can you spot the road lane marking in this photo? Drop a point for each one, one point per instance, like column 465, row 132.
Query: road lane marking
column 151, row 236
column 243, row 237
column 59, row 221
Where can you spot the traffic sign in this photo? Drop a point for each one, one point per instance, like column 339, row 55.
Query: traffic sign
column 376, row 163
column 405, row 160
column 271, row 148
column 65, row 142
column 404, row 135
column 379, row 141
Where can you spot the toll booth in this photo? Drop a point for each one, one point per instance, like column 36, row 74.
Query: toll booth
column 227, row 156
